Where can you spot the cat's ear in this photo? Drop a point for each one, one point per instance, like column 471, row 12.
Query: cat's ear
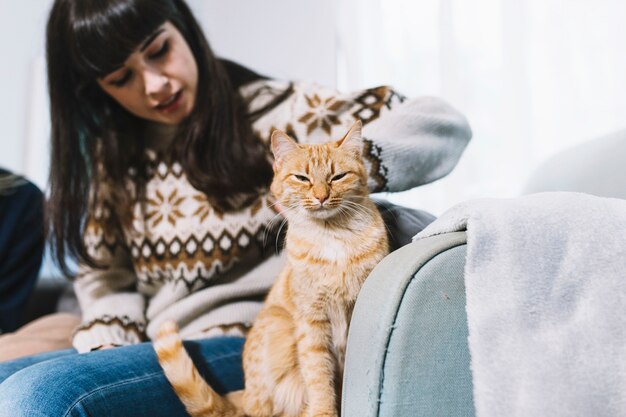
column 353, row 140
column 282, row 144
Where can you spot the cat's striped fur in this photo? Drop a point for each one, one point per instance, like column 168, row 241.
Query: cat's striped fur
column 294, row 354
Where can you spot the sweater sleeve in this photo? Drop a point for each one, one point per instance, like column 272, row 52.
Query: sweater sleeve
column 407, row 142
column 113, row 310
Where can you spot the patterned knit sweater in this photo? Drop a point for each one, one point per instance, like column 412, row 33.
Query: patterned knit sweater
column 209, row 270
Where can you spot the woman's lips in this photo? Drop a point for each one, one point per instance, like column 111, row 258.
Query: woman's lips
column 171, row 104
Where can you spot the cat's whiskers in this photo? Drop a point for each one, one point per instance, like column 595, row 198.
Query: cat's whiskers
column 270, row 224
column 364, row 209
column 347, row 213
column 356, row 206
column 279, row 230
column 323, row 211
column 293, row 221
column 333, row 207
column 333, row 202
column 355, row 213
column 385, row 209
column 273, row 204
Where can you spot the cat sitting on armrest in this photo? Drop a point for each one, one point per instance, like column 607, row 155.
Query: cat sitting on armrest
column 293, row 356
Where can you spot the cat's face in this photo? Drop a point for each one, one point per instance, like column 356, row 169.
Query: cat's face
column 320, row 180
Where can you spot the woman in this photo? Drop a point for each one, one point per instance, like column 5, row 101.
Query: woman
column 159, row 187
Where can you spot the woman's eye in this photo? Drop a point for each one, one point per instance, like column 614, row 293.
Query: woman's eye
column 162, row 51
column 338, row 177
column 121, row 81
column 301, row 178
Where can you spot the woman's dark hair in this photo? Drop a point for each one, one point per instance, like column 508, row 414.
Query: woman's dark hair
column 91, row 134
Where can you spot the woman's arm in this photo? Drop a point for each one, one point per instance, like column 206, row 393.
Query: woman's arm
column 408, row 142
column 113, row 310
column 414, row 143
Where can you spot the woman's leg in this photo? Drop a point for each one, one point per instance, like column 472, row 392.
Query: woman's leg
column 10, row 367
column 124, row 381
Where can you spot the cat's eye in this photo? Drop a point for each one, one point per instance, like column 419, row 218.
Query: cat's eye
column 301, row 178
column 338, row 176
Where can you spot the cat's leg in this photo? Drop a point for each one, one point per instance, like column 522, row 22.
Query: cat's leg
column 317, row 365
column 273, row 385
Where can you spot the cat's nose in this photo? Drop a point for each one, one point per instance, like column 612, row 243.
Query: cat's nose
column 322, row 198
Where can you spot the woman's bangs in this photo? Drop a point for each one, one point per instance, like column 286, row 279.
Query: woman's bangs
column 105, row 39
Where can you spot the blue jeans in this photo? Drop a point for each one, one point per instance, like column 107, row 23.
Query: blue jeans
column 124, row 381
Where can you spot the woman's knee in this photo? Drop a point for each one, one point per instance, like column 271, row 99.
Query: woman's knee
column 44, row 389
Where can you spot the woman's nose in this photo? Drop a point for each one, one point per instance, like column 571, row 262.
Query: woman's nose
column 154, row 82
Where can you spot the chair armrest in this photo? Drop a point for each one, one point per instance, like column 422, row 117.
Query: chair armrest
column 407, row 351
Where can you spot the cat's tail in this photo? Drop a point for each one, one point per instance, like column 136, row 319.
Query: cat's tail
column 199, row 398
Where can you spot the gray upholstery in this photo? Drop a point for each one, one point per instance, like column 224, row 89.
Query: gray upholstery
column 407, row 348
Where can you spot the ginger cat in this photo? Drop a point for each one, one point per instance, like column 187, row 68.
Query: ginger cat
column 294, row 354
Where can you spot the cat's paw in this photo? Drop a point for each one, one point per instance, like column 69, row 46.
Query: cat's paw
column 168, row 340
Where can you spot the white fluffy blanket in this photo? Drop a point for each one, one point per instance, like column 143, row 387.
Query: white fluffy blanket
column 545, row 280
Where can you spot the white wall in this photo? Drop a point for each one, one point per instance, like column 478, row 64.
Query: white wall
column 21, row 43
column 281, row 38
column 292, row 39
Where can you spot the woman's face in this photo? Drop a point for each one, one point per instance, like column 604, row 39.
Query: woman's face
column 158, row 81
